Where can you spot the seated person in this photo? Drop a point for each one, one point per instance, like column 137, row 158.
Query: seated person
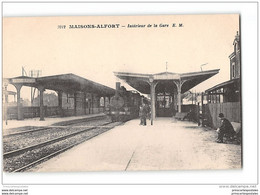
column 226, row 129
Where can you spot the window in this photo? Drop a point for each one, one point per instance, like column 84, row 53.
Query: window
column 101, row 102
column 233, row 70
column 164, row 100
column 221, row 98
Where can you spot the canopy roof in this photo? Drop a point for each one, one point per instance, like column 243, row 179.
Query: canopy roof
column 165, row 80
column 229, row 83
column 68, row 83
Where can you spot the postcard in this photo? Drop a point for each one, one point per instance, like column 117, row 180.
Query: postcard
column 122, row 93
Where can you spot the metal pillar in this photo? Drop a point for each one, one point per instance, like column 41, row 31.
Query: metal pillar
column 179, row 98
column 92, row 103
column 198, row 114
column 19, row 105
column 41, row 89
column 85, row 103
column 202, row 98
column 6, row 94
column 5, row 105
column 179, row 85
column 152, row 91
column 152, row 94
column 75, row 104
column 104, row 104
column 60, row 103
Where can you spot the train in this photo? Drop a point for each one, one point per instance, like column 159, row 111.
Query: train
column 124, row 105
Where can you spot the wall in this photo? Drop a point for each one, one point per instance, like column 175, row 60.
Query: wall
column 231, row 111
column 32, row 111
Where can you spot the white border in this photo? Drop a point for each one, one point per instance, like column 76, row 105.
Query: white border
column 249, row 34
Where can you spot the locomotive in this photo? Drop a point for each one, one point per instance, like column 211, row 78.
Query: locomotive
column 124, row 105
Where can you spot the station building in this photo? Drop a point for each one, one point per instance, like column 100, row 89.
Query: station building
column 229, row 91
column 226, row 97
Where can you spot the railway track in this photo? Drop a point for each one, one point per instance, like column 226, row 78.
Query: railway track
column 80, row 121
column 27, row 131
column 12, row 141
column 22, row 158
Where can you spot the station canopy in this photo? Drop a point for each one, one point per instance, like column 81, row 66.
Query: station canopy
column 165, row 80
column 234, row 83
column 68, row 83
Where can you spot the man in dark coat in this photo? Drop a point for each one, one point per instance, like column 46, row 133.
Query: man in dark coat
column 226, row 129
column 143, row 114
column 141, row 111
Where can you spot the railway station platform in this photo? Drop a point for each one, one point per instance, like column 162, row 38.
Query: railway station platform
column 167, row 145
column 47, row 122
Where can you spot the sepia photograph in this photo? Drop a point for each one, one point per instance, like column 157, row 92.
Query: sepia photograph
column 92, row 94
column 122, row 93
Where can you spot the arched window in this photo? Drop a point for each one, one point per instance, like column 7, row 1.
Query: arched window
column 101, row 102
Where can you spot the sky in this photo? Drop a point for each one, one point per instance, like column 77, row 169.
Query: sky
column 39, row 43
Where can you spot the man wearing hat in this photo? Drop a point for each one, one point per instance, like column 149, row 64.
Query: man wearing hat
column 225, row 129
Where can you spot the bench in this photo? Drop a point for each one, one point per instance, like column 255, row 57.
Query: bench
column 236, row 126
column 181, row 115
column 238, row 137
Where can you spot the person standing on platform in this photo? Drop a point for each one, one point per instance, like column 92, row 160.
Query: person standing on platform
column 148, row 111
column 143, row 114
